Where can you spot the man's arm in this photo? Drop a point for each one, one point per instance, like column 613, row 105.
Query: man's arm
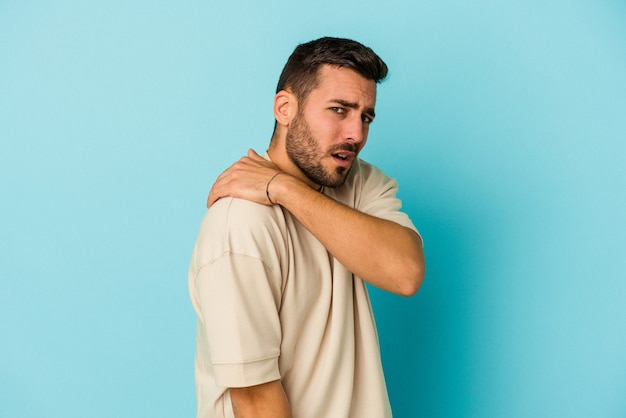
column 261, row 401
column 381, row 252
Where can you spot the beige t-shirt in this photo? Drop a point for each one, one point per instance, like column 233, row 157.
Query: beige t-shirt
column 273, row 303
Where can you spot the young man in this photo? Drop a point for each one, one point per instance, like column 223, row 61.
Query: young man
column 285, row 327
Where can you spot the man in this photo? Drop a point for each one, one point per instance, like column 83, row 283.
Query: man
column 285, row 327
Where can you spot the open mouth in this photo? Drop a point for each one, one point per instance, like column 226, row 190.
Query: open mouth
column 343, row 158
column 344, row 154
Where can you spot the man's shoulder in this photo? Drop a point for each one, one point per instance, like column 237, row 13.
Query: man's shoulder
column 364, row 178
column 233, row 214
column 242, row 226
column 364, row 167
column 363, row 172
column 232, row 209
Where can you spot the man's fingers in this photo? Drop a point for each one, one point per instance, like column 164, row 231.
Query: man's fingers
column 254, row 156
column 211, row 198
column 246, row 178
column 213, row 193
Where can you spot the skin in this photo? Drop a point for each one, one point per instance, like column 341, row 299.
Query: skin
column 334, row 118
column 262, row 401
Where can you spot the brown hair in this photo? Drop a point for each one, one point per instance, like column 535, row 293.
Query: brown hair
column 301, row 70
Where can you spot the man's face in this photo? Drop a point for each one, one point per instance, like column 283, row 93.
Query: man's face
column 330, row 130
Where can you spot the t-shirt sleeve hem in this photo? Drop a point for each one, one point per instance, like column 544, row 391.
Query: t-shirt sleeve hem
column 234, row 375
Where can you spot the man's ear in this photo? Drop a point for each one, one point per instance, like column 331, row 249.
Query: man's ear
column 285, row 107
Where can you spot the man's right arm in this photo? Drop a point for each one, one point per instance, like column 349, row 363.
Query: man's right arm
column 260, row 401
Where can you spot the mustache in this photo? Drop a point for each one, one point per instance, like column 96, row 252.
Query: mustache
column 344, row 147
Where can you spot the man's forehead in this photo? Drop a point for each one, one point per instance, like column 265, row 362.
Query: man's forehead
column 346, row 84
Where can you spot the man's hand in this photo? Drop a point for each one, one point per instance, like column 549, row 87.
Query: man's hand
column 246, row 179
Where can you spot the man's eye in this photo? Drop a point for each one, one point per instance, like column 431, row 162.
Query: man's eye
column 337, row 110
column 366, row 119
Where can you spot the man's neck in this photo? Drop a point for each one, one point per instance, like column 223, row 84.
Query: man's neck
column 278, row 155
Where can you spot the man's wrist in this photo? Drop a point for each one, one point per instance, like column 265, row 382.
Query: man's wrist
column 267, row 187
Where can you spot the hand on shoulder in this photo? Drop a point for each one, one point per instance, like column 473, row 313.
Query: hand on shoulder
column 245, row 179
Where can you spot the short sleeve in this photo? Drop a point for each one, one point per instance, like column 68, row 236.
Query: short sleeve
column 240, row 299
column 236, row 286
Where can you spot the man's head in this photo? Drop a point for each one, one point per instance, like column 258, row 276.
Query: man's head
column 300, row 74
column 323, row 107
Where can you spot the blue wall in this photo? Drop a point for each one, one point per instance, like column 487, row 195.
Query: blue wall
column 504, row 123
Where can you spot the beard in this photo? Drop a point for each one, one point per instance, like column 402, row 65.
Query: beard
column 304, row 151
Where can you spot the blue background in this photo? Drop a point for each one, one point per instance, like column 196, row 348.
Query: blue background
column 504, row 123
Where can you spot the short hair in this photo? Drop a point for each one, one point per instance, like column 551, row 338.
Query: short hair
column 300, row 73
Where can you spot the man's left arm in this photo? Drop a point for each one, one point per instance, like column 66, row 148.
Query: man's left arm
column 381, row 252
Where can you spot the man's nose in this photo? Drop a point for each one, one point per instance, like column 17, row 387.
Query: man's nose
column 355, row 129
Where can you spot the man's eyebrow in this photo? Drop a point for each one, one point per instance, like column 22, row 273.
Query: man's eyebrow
column 352, row 105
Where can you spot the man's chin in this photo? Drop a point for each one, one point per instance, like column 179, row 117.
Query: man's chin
column 338, row 179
